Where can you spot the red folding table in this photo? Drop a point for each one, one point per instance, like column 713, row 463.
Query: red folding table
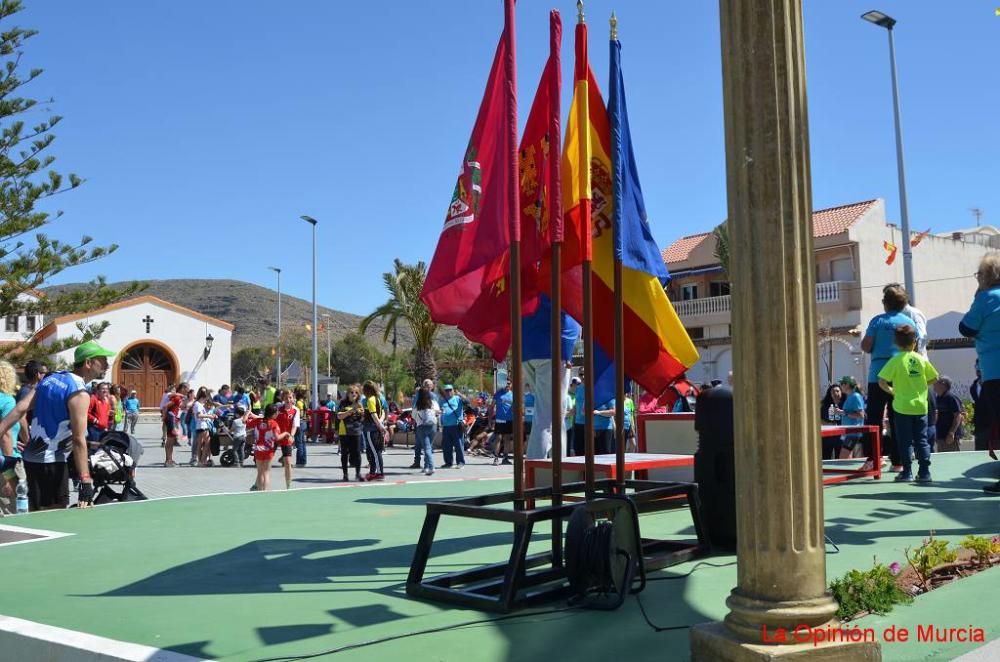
column 833, row 475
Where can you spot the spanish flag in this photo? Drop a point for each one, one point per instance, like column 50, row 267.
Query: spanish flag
column 657, row 347
column 891, row 249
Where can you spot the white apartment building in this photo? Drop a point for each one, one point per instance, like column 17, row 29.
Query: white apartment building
column 18, row 328
column 851, row 270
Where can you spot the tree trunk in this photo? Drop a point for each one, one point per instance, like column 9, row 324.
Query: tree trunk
column 424, row 366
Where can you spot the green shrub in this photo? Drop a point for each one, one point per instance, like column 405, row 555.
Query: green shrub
column 969, row 408
column 928, row 556
column 982, row 547
column 874, row 591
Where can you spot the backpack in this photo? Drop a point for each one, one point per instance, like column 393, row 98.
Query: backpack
column 685, row 401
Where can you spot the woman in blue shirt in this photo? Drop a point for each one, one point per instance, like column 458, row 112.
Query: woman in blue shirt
column 982, row 322
column 879, row 342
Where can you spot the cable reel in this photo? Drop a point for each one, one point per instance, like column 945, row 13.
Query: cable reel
column 604, row 553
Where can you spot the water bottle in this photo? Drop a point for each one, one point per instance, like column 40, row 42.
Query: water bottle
column 22, row 497
column 830, row 414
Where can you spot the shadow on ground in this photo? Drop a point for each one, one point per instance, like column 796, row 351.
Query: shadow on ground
column 272, row 566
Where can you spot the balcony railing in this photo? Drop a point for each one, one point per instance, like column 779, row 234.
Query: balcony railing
column 825, row 293
column 706, row 306
column 828, row 292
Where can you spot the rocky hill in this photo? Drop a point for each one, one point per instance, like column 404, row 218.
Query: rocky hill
column 252, row 309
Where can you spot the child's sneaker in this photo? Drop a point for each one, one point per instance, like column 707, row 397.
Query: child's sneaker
column 923, row 477
column 904, row 477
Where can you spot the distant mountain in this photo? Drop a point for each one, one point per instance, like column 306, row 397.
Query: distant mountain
column 253, row 310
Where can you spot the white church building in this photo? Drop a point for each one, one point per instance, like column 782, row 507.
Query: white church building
column 156, row 343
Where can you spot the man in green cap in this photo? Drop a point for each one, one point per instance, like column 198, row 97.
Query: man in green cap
column 59, row 429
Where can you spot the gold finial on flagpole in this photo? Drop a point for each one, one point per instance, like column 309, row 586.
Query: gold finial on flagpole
column 579, row 11
column 614, row 26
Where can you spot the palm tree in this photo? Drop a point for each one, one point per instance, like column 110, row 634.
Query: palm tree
column 404, row 285
column 721, row 234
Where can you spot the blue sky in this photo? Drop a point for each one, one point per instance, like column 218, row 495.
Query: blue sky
column 205, row 129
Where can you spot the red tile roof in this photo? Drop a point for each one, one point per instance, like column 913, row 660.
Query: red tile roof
column 681, row 249
column 835, row 220
column 826, row 222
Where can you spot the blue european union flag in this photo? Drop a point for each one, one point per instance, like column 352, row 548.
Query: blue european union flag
column 634, row 243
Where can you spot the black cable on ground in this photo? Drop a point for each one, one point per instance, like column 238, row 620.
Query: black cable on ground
column 592, row 547
column 657, row 628
column 688, row 573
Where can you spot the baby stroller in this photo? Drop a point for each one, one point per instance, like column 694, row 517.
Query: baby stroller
column 222, row 436
column 113, row 463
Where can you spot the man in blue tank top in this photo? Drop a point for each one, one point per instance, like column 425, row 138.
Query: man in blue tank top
column 58, row 430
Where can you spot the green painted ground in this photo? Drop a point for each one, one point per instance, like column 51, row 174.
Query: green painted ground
column 254, row 576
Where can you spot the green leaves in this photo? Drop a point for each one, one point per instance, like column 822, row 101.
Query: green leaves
column 867, row 591
column 404, row 284
column 26, row 180
column 721, row 252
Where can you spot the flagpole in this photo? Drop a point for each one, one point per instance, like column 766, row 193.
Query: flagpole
column 619, row 339
column 555, row 211
column 515, row 257
column 588, row 310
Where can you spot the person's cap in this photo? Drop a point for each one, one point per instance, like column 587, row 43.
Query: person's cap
column 850, row 381
column 132, row 392
column 575, row 380
column 449, row 387
column 90, row 350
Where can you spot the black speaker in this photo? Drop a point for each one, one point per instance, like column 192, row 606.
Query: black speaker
column 715, row 466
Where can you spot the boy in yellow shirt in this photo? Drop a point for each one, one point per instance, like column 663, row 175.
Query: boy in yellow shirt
column 906, row 378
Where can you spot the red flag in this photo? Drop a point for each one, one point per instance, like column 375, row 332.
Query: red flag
column 476, row 234
column 488, row 321
column 920, row 237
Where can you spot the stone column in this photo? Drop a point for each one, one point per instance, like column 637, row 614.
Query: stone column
column 781, row 558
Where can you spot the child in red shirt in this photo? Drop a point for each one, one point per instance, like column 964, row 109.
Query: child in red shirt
column 268, row 437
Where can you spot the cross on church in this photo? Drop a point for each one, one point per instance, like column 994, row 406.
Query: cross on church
column 149, row 320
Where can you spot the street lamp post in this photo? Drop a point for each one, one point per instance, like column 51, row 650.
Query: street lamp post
column 277, row 344
column 887, row 22
column 315, row 327
column 326, row 317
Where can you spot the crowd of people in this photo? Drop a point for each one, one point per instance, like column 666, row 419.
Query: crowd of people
column 50, row 421
column 915, row 408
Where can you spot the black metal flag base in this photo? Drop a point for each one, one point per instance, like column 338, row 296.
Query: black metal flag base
column 524, row 580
